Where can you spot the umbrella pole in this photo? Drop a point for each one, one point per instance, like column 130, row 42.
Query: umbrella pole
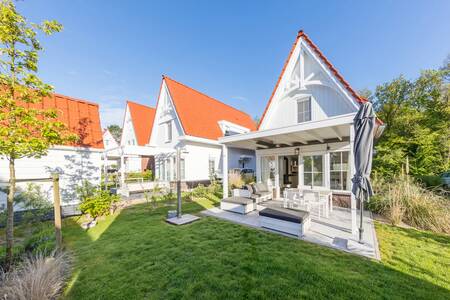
column 361, row 210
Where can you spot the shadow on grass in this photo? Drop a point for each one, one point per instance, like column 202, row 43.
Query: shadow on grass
column 138, row 255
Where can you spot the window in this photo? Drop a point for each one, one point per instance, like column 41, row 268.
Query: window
column 313, row 170
column 268, row 168
column 339, row 171
column 304, row 110
column 211, row 166
column 168, row 132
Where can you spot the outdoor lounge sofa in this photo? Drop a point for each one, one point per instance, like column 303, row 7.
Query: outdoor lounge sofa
column 295, row 222
column 259, row 192
column 237, row 204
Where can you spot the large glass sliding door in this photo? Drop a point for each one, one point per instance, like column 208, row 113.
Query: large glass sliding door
column 268, row 169
column 313, row 170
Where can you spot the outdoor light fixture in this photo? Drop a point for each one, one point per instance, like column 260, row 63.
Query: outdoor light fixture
column 297, row 151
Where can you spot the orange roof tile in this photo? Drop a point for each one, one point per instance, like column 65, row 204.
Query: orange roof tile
column 142, row 117
column 199, row 114
column 303, row 35
column 81, row 117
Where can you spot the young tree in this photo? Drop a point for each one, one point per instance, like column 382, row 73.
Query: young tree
column 25, row 130
column 116, row 132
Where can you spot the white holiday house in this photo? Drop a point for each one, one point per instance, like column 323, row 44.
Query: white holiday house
column 305, row 138
column 75, row 162
column 194, row 121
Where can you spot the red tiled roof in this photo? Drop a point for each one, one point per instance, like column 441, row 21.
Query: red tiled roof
column 81, row 117
column 142, row 117
column 199, row 114
column 303, row 35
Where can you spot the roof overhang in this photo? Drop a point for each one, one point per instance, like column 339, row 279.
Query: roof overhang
column 137, row 150
column 333, row 129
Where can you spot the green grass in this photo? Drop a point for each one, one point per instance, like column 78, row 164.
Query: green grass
column 135, row 255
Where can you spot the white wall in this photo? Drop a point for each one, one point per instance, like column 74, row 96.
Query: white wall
column 128, row 135
column 109, row 141
column 307, row 76
column 73, row 164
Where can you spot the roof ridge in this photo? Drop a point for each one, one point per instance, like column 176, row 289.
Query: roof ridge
column 165, row 76
column 74, row 99
column 129, row 101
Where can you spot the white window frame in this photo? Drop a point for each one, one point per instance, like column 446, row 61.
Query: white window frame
column 302, row 100
column 341, row 170
column 312, row 169
column 168, row 126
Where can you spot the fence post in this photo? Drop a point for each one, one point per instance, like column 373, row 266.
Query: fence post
column 57, row 210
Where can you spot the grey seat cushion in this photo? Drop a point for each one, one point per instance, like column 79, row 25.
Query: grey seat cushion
column 238, row 200
column 260, row 187
column 285, row 214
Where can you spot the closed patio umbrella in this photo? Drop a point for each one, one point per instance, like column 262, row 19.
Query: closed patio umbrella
column 364, row 124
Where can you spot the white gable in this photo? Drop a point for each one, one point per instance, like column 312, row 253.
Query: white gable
column 128, row 134
column 165, row 113
column 109, row 141
column 307, row 78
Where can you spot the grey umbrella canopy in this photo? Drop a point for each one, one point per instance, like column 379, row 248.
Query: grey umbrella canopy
column 364, row 124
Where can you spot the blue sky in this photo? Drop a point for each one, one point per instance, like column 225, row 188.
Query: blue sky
column 112, row 51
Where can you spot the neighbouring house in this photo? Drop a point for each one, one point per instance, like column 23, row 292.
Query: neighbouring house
column 81, row 160
column 110, row 143
column 305, row 137
column 188, row 119
column 136, row 131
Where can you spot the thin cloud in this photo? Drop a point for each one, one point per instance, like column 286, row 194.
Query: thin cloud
column 241, row 98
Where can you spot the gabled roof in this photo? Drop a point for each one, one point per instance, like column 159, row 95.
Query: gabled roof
column 80, row 116
column 142, row 118
column 199, row 114
column 302, row 35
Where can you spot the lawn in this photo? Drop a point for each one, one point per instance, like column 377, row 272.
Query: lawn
column 135, row 255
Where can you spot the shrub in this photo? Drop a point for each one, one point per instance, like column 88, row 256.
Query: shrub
column 403, row 200
column 98, row 204
column 430, row 180
column 42, row 240
column 235, row 180
column 86, row 190
column 38, row 277
column 146, row 175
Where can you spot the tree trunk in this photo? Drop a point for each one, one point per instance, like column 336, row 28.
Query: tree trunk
column 10, row 214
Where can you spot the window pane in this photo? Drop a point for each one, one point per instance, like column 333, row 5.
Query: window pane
column 307, row 164
column 307, row 179
column 335, row 160
column 344, row 181
column 335, row 180
column 345, row 165
column 318, row 179
column 317, row 164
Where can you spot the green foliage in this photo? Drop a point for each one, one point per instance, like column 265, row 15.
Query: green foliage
column 417, row 117
column 146, row 175
column 86, row 190
column 35, row 203
column 98, row 204
column 430, row 181
column 42, row 240
column 29, row 131
column 115, row 131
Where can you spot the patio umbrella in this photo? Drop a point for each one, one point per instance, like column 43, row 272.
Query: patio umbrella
column 364, row 124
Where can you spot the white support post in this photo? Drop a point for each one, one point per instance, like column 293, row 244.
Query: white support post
column 352, row 173
column 225, row 170
column 327, row 170
column 258, row 168
column 122, row 170
column 277, row 177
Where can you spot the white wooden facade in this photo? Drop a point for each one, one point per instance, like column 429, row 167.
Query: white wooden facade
column 201, row 157
column 305, row 138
